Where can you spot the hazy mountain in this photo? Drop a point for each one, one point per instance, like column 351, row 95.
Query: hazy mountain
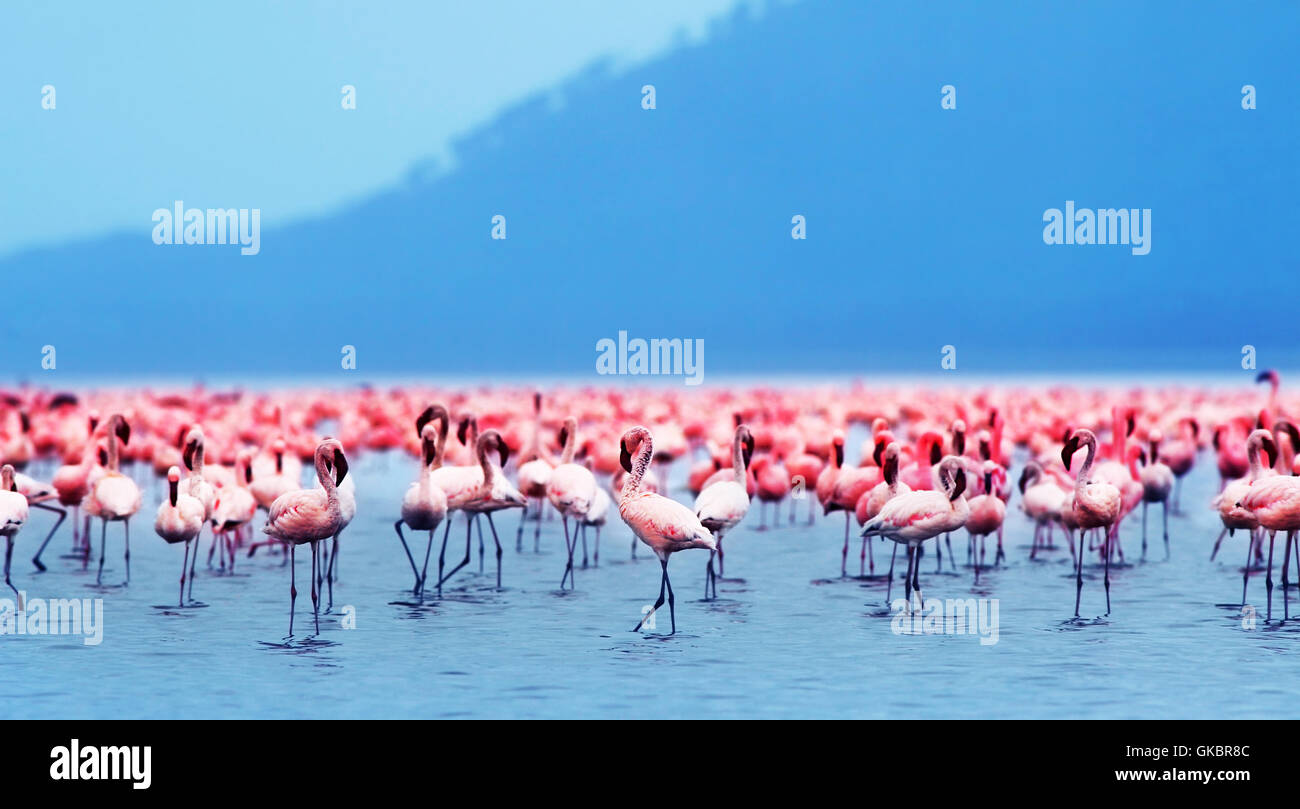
column 924, row 225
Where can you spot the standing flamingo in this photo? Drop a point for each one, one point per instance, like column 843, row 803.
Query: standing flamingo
column 495, row 492
column 870, row 504
column 722, row 505
column 424, row 506
column 987, row 511
column 310, row 515
column 13, row 514
column 1157, row 481
column 571, row 490
column 179, row 519
column 1232, row 513
column 114, row 497
column 665, row 525
column 1275, row 502
column 534, row 474
column 910, row 519
column 1096, row 505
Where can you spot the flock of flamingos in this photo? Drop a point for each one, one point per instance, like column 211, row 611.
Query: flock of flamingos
column 934, row 462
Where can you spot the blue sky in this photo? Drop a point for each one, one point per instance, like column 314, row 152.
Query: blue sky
column 237, row 104
column 924, row 225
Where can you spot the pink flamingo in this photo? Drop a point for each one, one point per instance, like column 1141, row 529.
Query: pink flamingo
column 179, row 519
column 722, row 505
column 571, row 490
column 114, row 497
column 870, row 504
column 534, row 473
column 270, row 480
column 1232, row 513
column 310, row 515
column 484, row 492
column 13, row 515
column 1042, row 500
column 773, row 485
column 665, row 525
column 910, row 519
column 37, row 494
column 424, row 506
column 1157, row 481
column 1275, row 502
column 987, row 512
column 1096, row 505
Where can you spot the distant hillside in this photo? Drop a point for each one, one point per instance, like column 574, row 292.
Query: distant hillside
column 924, row 225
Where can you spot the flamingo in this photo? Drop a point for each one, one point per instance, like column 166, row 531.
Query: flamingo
column 310, row 515
column 36, row 494
column 13, row 515
column 179, row 519
column 494, row 493
column 850, row 484
column 1096, row 504
column 114, row 497
column 910, row 519
column 194, row 456
column 1157, row 481
column 272, row 480
column 1275, row 502
column 235, row 505
column 571, row 490
column 870, row 504
column 596, row 517
column 424, row 506
column 722, row 505
column 347, row 493
column 1042, row 500
column 665, row 525
column 72, row 482
column 987, row 512
column 534, row 474
column 1228, row 502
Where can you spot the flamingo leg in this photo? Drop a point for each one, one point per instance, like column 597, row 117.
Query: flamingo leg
column 1164, row 516
column 1144, row 530
column 1245, row 571
column 498, row 544
column 907, row 579
column 889, row 588
column 424, row 573
column 293, row 589
column 315, row 591
column 329, row 572
column 1000, row 554
column 582, row 529
column 103, row 541
column 479, row 524
column 36, row 560
column 1115, row 534
column 1078, row 578
column 185, row 562
column 952, row 560
column 672, row 610
column 844, row 554
column 1286, row 583
column 537, row 529
column 1219, row 541
column 9, row 553
column 663, row 582
column 568, row 546
column 397, row 526
column 916, row 576
column 469, row 527
column 595, row 559
column 1268, row 580
column 970, row 544
column 722, row 563
column 519, row 534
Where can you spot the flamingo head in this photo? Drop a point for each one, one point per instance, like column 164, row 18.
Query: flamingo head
column 489, row 440
column 7, row 478
column 430, row 413
column 630, row 444
column 331, row 452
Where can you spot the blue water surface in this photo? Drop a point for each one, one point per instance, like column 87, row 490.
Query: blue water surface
column 788, row 637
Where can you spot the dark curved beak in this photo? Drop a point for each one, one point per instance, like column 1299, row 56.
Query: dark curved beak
column 624, row 458
column 340, row 467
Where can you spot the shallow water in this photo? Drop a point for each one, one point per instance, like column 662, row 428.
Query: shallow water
column 786, row 638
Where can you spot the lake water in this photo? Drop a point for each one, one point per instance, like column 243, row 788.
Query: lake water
column 787, row 637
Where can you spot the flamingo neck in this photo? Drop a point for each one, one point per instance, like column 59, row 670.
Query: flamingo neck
column 570, row 445
column 173, row 490
column 326, row 479
column 1085, row 472
column 639, row 464
column 738, row 460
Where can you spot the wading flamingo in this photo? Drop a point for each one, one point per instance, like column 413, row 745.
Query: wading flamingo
column 1275, row 502
column 1232, row 513
column 571, row 490
column 665, row 525
column 179, row 519
column 13, row 514
column 310, row 515
column 870, row 504
column 1096, row 505
column 1157, row 481
column 910, row 519
column 114, row 497
column 987, row 511
column 424, row 506
column 722, row 505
